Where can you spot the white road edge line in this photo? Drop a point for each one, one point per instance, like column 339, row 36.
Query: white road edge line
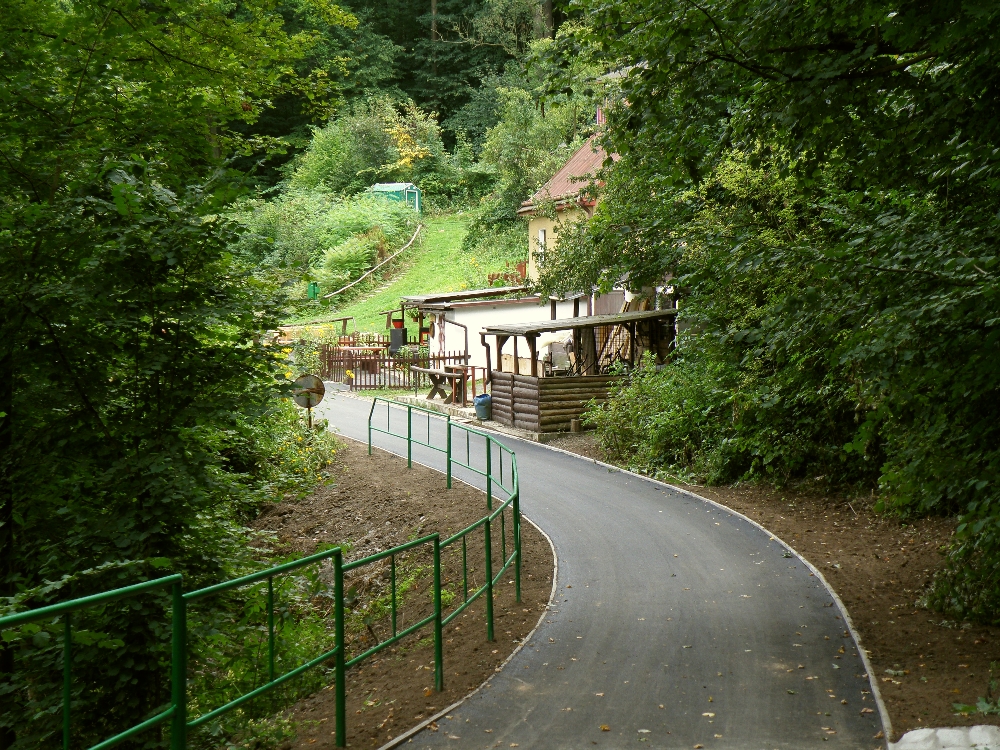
column 873, row 681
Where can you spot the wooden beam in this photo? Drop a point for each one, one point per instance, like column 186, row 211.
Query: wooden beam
column 532, row 341
column 576, row 308
column 489, row 368
column 517, row 369
column 501, row 341
column 552, row 309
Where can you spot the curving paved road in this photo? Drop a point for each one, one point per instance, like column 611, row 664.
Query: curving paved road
column 675, row 623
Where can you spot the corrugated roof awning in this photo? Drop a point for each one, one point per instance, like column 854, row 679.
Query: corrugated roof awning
column 467, row 294
column 566, row 324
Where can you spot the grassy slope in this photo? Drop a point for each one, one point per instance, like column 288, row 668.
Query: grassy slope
column 431, row 269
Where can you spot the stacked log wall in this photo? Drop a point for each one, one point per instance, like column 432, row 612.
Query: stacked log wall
column 545, row 404
column 563, row 399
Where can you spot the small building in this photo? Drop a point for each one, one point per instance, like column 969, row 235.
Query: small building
column 565, row 193
column 602, row 346
column 406, row 192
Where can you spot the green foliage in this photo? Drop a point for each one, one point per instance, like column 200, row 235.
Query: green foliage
column 989, row 704
column 135, row 388
column 339, row 238
column 529, row 143
column 852, row 282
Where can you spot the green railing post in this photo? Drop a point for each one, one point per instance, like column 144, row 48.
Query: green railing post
column 178, row 669
column 270, row 629
column 370, row 413
column 338, row 627
column 438, row 642
column 448, row 453
column 489, row 580
column 517, row 542
column 67, row 674
column 489, row 475
column 465, row 570
column 409, row 437
column 392, row 575
column 503, row 534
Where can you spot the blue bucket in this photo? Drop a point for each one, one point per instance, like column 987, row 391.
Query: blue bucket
column 484, row 405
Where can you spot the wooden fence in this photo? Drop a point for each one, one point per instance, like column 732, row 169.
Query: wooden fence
column 373, row 370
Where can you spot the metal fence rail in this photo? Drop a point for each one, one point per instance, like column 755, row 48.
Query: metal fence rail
column 500, row 483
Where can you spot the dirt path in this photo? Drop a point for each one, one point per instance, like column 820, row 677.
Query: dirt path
column 879, row 567
column 376, row 503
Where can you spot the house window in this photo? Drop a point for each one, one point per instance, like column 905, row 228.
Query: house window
column 541, row 244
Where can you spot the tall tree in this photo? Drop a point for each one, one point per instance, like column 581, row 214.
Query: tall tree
column 129, row 341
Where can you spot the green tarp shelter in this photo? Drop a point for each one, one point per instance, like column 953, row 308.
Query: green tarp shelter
column 399, row 191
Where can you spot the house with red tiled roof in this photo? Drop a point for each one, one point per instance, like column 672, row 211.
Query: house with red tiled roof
column 566, row 192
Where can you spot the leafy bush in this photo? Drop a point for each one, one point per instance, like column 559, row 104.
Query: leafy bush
column 377, row 141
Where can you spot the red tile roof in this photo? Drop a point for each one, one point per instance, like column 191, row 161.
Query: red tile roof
column 575, row 175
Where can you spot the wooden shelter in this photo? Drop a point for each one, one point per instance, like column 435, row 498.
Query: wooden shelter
column 545, row 400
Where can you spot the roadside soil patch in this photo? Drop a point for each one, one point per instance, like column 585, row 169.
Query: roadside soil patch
column 879, row 566
column 376, row 503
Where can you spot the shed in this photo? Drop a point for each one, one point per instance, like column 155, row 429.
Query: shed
column 547, row 401
column 406, row 192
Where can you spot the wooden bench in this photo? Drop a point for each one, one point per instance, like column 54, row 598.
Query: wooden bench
column 439, row 378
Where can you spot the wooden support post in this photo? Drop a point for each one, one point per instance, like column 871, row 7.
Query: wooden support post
column 576, row 308
column 577, row 343
column 489, row 365
column 532, row 340
column 631, row 344
column 552, row 309
column 590, row 305
column 588, row 350
column 517, row 368
column 501, row 342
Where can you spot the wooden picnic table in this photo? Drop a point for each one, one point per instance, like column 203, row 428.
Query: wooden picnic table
column 439, row 378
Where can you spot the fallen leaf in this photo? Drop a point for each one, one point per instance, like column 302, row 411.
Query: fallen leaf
column 708, row 714
column 879, row 736
column 661, row 705
column 698, row 747
column 488, row 731
column 687, row 647
column 790, row 692
column 513, row 744
column 710, row 699
column 843, row 702
column 605, row 728
column 428, row 692
column 718, row 736
column 599, row 695
column 643, row 731
column 867, row 711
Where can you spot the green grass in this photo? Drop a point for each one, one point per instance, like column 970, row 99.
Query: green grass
column 433, row 267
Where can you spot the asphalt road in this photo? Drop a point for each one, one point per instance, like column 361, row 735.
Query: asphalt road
column 676, row 624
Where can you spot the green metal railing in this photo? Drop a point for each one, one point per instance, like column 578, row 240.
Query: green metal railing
column 498, row 482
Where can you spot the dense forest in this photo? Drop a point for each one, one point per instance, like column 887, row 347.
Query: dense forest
column 817, row 185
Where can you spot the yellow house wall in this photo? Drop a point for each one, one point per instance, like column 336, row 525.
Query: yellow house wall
column 551, row 227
